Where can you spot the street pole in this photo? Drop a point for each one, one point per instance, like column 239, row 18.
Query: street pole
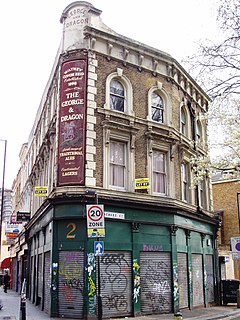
column 2, row 192
column 99, row 298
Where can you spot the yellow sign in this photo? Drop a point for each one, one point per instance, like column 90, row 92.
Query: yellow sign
column 41, row 191
column 96, row 233
column 142, row 183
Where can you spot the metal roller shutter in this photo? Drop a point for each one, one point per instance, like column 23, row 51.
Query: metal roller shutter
column 40, row 278
column 19, row 284
column 14, row 274
column 116, row 283
column 70, row 294
column 156, row 282
column 210, row 278
column 197, row 277
column 183, row 280
column 47, row 282
column 33, row 268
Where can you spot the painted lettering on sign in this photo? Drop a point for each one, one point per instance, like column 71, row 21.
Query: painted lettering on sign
column 72, row 122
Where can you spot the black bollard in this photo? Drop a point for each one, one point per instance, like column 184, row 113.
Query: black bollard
column 22, row 315
column 23, row 308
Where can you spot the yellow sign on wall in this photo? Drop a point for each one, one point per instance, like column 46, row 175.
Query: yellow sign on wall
column 41, row 191
column 142, row 183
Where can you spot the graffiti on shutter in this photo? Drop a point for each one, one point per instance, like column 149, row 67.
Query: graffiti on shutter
column 197, row 277
column 47, row 282
column 116, row 283
column 183, row 280
column 70, row 294
column 210, row 277
column 156, row 282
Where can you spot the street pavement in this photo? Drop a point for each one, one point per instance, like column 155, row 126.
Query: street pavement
column 11, row 311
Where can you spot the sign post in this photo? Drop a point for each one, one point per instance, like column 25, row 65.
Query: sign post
column 96, row 229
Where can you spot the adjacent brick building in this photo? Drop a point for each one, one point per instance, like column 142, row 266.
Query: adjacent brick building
column 226, row 191
column 117, row 127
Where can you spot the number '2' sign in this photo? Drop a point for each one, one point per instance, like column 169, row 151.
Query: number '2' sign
column 95, row 221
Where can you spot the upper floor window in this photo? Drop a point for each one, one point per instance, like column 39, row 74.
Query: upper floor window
column 159, row 172
column 117, row 96
column 198, row 131
column 117, row 176
column 185, row 181
column 201, row 194
column 183, row 126
column 119, row 93
column 157, row 107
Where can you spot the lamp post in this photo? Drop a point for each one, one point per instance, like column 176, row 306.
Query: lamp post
column 2, row 192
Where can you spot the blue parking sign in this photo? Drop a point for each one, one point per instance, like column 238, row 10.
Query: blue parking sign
column 98, row 248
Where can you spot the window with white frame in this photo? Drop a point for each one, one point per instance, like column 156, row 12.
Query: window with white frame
column 157, row 107
column 201, row 194
column 198, row 131
column 118, row 164
column 119, row 93
column 185, row 181
column 183, row 125
column 159, row 172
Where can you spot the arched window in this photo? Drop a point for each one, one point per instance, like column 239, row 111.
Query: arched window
column 183, row 125
column 117, row 95
column 198, row 131
column 157, row 107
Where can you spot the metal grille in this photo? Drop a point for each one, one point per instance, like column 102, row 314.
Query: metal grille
column 156, row 282
column 40, row 278
column 197, row 277
column 32, row 275
column 183, row 280
column 223, row 274
column 14, row 274
column 19, row 284
column 70, row 294
column 210, row 277
column 47, row 282
column 116, row 283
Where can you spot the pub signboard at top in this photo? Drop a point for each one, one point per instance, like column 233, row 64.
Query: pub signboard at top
column 72, row 123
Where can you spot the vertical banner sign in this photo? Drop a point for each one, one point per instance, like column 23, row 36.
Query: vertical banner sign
column 72, row 123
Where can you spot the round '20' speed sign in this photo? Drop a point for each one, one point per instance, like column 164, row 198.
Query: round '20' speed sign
column 95, row 213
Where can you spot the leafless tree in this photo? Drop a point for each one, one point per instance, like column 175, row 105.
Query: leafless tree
column 217, row 64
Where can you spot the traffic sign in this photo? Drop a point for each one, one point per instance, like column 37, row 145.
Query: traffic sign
column 95, row 221
column 98, row 248
column 235, row 244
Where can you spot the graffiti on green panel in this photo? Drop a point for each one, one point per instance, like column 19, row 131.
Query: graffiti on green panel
column 91, row 272
column 190, row 279
column 175, row 283
column 136, row 282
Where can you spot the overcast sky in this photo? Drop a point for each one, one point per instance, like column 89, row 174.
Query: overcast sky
column 31, row 33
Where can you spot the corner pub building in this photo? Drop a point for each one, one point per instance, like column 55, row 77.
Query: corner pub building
column 113, row 139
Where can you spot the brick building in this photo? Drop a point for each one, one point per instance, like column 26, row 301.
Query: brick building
column 117, row 127
column 226, row 191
